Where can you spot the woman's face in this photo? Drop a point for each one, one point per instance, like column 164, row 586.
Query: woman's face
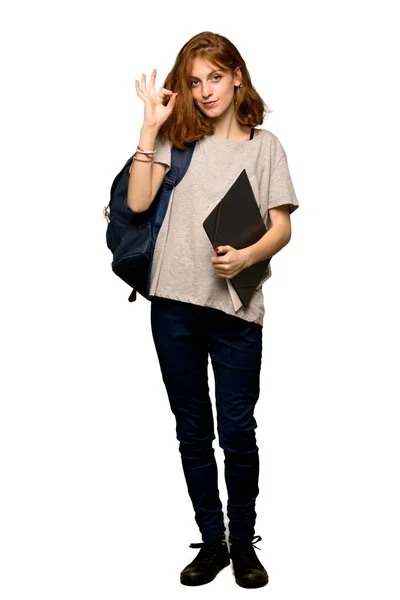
column 212, row 88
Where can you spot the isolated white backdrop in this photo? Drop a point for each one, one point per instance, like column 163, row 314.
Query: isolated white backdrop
column 94, row 503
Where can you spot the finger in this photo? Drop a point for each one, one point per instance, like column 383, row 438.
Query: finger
column 144, row 85
column 152, row 85
column 172, row 102
column 164, row 92
column 138, row 90
column 221, row 268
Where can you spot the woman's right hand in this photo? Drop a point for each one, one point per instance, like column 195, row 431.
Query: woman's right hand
column 155, row 113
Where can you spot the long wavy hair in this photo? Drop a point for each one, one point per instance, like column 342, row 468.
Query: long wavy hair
column 187, row 123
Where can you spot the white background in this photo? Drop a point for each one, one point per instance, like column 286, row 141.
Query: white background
column 94, row 502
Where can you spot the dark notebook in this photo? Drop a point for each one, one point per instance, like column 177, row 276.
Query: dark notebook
column 236, row 221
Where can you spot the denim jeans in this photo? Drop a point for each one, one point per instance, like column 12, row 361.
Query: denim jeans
column 185, row 335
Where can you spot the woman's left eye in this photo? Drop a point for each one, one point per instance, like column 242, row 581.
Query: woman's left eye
column 194, row 82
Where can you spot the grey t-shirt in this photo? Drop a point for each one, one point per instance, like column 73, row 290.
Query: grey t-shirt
column 182, row 267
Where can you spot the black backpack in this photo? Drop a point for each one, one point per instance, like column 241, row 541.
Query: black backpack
column 131, row 236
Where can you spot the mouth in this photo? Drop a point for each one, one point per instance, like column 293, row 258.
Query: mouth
column 209, row 104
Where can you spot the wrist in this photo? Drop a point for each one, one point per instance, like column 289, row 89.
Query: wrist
column 149, row 129
column 246, row 255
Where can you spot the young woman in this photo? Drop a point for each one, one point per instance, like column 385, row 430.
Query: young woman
column 208, row 97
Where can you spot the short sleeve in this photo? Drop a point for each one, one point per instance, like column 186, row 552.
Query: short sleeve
column 163, row 152
column 281, row 190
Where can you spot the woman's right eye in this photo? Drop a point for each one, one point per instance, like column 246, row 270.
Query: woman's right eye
column 194, row 82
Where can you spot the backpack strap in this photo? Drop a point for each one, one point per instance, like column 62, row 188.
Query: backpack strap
column 180, row 161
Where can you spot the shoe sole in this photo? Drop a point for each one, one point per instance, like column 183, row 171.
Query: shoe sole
column 193, row 581
column 251, row 584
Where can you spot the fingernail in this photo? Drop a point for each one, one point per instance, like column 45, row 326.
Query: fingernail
column 216, row 249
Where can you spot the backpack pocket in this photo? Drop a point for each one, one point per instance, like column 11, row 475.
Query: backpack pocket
column 135, row 244
column 111, row 238
column 132, row 256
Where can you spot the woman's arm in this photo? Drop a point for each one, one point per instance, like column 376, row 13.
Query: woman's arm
column 145, row 177
column 274, row 240
column 233, row 261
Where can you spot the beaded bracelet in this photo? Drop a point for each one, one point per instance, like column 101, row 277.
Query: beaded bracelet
column 140, row 160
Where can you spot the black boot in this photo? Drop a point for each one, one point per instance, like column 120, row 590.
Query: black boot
column 212, row 557
column 248, row 570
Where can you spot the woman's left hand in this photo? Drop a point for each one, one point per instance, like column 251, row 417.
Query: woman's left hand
column 231, row 263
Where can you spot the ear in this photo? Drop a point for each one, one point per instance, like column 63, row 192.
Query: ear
column 237, row 76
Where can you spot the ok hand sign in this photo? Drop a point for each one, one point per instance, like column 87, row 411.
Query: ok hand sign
column 155, row 113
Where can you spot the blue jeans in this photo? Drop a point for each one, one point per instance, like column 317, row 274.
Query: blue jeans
column 184, row 335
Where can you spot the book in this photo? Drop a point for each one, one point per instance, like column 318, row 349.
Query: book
column 236, row 220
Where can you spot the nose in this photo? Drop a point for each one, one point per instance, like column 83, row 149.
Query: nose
column 206, row 90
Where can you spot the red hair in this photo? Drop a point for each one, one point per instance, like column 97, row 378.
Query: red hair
column 187, row 123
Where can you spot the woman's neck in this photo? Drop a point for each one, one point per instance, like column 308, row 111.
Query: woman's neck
column 229, row 128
